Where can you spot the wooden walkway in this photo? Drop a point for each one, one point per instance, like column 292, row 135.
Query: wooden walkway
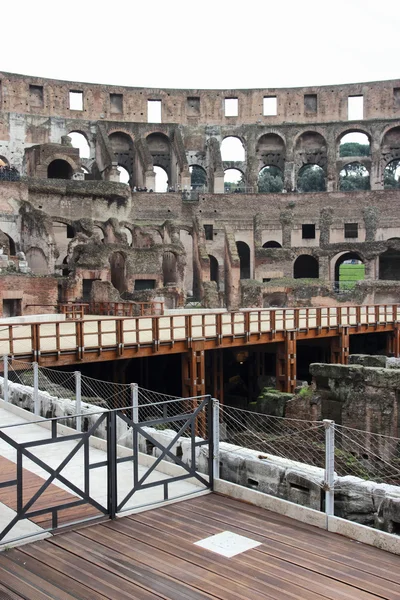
column 152, row 555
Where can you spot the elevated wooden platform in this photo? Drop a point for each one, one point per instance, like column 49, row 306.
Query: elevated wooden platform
column 152, row 555
column 93, row 338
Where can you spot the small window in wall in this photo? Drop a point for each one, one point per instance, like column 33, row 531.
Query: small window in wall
column 11, row 308
column 351, row 230
column 193, row 106
column 145, row 284
column 355, row 108
column 70, row 232
column 209, row 232
column 154, row 111
column 231, row 107
column 310, row 104
column 396, row 98
column 270, row 106
column 308, row 232
column 36, row 96
column 75, row 100
column 116, row 103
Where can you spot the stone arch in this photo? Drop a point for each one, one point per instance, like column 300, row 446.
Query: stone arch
column 353, row 135
column 4, row 160
column 161, row 179
column 310, row 148
column 123, row 149
column 99, row 231
column 118, row 271
column 214, row 269
column 233, row 149
column 37, row 261
column 233, row 178
column 7, row 243
column 270, row 180
column 159, row 146
column 243, row 251
column 391, row 175
column 79, row 139
column 198, row 177
column 127, row 231
column 347, row 280
column 354, row 176
column 271, row 151
column 389, row 265
column 59, row 169
column 306, row 267
column 272, row 244
column 169, row 268
column 311, row 178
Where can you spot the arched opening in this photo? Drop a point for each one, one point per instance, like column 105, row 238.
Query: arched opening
column 161, row 179
column 123, row 149
column 233, row 181
column 311, row 178
column 214, row 271
column 159, row 147
column 272, row 244
column 306, row 267
column 98, row 232
column 78, row 140
column 59, row 169
column 118, row 271
column 127, row 232
column 244, row 257
column 198, row 178
column 124, row 176
column 7, row 244
column 4, row 162
column 270, row 180
column 354, row 143
column 389, row 265
column 65, row 270
column 169, row 268
column 391, row 177
column 37, row 261
column 232, row 149
column 271, row 150
column 353, row 177
column 349, row 268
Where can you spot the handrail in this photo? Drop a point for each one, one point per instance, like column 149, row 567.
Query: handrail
column 79, row 335
column 77, row 310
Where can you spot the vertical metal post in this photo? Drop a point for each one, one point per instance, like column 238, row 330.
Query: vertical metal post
column 329, row 466
column 78, row 400
column 36, row 406
column 135, row 402
column 5, row 377
column 112, row 464
column 215, row 434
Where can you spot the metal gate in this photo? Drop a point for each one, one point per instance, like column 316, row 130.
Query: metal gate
column 55, row 480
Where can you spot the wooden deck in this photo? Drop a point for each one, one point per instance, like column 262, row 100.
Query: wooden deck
column 152, row 555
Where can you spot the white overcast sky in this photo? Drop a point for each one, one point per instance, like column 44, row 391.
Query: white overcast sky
column 204, row 44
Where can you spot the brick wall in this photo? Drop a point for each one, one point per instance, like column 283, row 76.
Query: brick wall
column 41, row 291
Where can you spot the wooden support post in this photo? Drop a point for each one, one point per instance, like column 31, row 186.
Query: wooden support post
column 193, row 381
column 286, row 366
column 393, row 341
column 340, row 347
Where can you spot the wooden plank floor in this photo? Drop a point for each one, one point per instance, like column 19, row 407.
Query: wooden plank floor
column 52, row 496
column 151, row 555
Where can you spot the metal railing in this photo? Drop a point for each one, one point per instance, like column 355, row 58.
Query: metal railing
column 56, row 488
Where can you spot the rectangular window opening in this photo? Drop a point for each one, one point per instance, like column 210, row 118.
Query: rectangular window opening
column 231, row 107
column 75, row 100
column 209, row 232
column 116, row 103
column 270, row 106
column 36, row 96
column 308, row 231
column 396, row 98
column 355, row 108
column 351, row 230
column 144, row 284
column 310, row 103
column 154, row 111
column 193, row 106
